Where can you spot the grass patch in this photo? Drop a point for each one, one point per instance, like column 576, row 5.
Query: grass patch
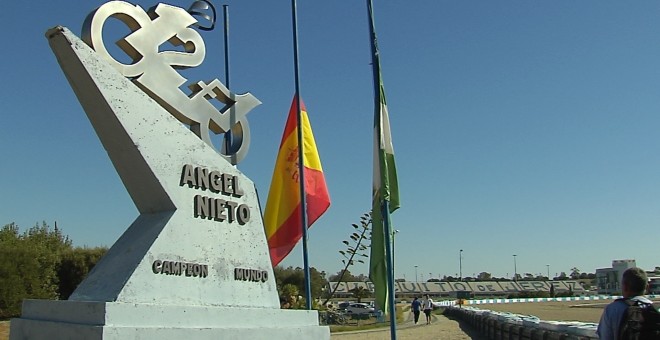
column 360, row 325
column 4, row 330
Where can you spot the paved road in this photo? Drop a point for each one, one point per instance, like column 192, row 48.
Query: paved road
column 440, row 328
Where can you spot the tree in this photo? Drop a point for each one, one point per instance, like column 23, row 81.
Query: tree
column 289, row 275
column 540, row 277
column 359, row 237
column 344, row 276
column 28, row 265
column 289, row 294
column 75, row 265
column 317, row 282
column 296, row 277
column 575, row 273
column 359, row 293
column 484, row 276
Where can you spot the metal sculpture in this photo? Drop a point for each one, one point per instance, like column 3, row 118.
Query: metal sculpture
column 155, row 71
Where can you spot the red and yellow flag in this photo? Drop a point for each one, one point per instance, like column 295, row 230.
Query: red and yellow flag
column 282, row 218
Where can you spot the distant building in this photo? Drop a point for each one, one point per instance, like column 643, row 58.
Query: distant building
column 480, row 289
column 654, row 284
column 608, row 280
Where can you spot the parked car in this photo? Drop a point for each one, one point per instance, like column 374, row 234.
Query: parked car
column 343, row 305
column 359, row 308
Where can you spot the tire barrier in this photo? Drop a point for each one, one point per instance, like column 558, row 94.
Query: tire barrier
column 501, row 326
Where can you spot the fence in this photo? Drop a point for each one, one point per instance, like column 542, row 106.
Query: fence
column 447, row 303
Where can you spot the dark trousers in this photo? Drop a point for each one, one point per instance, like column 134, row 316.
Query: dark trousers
column 416, row 313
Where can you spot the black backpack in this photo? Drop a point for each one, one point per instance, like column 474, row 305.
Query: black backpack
column 640, row 321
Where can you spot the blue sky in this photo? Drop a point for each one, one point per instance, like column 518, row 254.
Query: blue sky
column 519, row 127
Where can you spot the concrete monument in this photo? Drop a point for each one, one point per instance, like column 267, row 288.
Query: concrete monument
column 195, row 262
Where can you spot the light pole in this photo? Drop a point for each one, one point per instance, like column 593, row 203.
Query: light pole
column 460, row 265
column 415, row 273
column 515, row 269
column 394, row 232
column 548, row 266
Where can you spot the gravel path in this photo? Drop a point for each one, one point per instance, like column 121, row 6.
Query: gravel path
column 440, row 328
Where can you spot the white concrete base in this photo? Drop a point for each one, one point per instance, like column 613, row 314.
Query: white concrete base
column 44, row 319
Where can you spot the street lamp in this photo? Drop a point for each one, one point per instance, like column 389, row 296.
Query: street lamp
column 460, row 265
column 548, row 266
column 515, row 269
column 394, row 232
column 415, row 273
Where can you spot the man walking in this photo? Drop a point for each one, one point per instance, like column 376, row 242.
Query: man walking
column 416, row 308
column 633, row 286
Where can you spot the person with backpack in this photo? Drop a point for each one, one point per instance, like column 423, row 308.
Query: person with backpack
column 428, row 308
column 633, row 316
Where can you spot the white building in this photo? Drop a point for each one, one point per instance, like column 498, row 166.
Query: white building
column 654, row 284
column 608, row 280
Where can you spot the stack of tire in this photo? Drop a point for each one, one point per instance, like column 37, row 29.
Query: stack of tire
column 501, row 325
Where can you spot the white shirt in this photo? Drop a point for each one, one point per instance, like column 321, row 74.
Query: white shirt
column 428, row 304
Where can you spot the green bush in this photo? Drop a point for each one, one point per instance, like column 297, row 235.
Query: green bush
column 28, row 265
column 523, row 295
column 75, row 265
column 39, row 263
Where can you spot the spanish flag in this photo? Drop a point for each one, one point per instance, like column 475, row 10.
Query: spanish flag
column 282, row 218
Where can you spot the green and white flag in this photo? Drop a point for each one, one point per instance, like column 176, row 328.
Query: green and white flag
column 385, row 189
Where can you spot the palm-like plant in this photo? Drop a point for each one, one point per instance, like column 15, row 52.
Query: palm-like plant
column 355, row 248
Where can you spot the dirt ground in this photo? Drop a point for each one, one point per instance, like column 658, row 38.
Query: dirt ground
column 585, row 311
column 440, row 328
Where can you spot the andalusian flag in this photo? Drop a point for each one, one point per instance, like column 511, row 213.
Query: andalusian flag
column 385, row 188
column 282, row 218
column 385, row 184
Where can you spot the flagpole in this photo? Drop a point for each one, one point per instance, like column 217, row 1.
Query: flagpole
column 225, row 12
column 385, row 209
column 227, row 136
column 301, row 163
column 390, row 277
